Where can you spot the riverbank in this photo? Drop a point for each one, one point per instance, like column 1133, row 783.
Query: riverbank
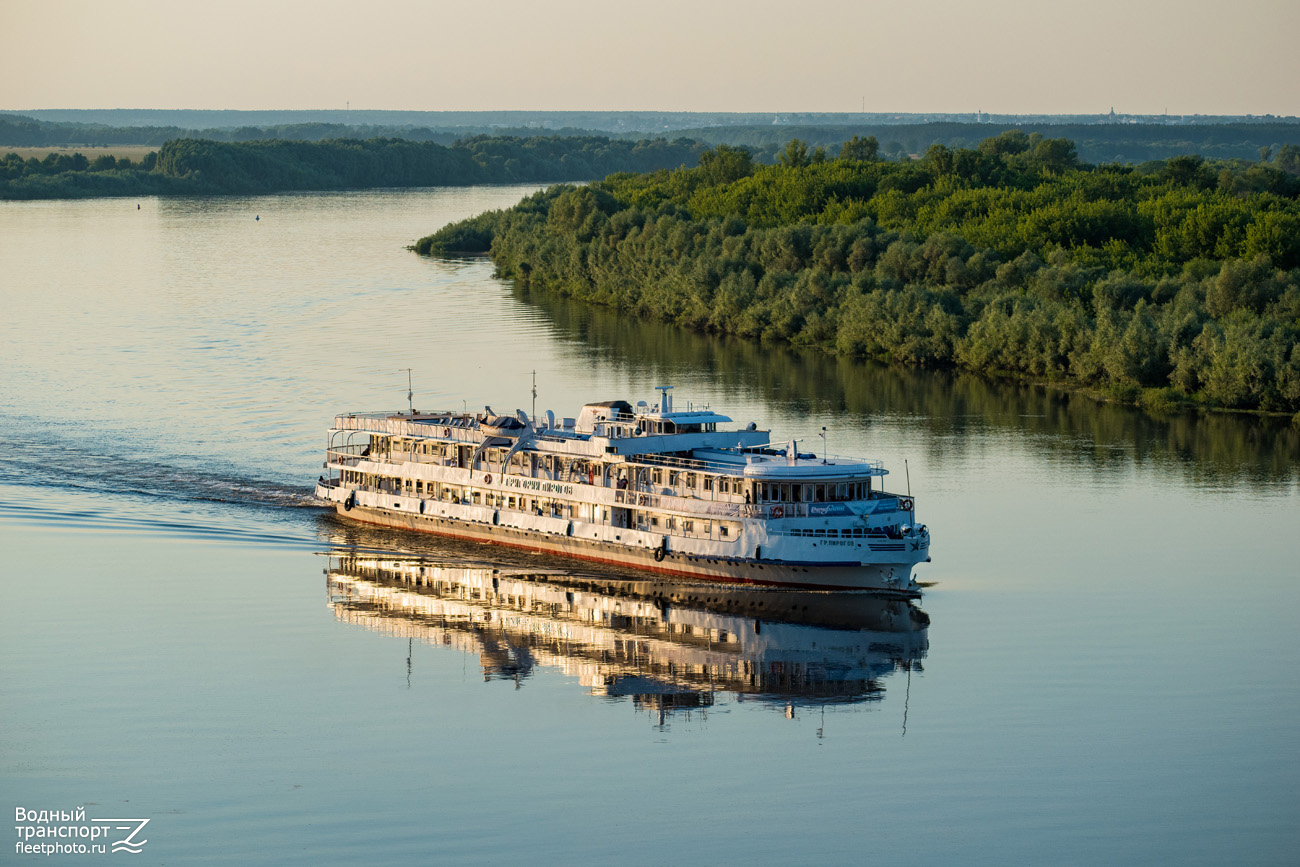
column 1178, row 286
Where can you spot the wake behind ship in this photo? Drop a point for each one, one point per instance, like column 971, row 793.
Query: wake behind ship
column 646, row 487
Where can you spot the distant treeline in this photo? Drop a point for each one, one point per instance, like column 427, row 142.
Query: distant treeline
column 1176, row 284
column 1094, row 142
column 194, row 166
column 22, row 131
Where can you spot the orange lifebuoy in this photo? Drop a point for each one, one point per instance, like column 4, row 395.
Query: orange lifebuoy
column 487, row 480
column 446, row 431
column 905, row 504
column 778, row 512
column 642, row 500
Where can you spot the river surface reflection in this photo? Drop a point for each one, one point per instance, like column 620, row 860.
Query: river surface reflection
column 666, row 645
column 1109, row 676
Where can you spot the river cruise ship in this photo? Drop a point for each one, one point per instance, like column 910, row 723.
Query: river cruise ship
column 646, row 486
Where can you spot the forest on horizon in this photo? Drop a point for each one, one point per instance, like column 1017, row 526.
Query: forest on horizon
column 1098, row 139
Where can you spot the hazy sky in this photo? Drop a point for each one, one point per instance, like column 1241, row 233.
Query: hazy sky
column 1005, row 56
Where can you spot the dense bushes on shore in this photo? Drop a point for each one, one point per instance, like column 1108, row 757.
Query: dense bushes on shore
column 1180, row 284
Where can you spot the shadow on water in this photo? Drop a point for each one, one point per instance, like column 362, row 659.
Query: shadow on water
column 665, row 645
column 949, row 407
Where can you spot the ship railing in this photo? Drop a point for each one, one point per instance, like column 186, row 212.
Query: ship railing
column 347, row 456
column 722, row 509
column 403, row 424
column 691, row 464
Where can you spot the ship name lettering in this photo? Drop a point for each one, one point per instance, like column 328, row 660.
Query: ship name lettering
column 537, row 485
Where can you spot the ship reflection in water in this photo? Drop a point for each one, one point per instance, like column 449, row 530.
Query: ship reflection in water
column 665, row 644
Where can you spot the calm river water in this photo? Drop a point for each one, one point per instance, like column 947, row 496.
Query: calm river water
column 1108, row 674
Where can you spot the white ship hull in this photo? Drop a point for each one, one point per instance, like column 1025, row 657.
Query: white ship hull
column 650, row 489
column 891, row 578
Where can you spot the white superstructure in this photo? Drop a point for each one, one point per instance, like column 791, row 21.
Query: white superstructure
column 646, row 486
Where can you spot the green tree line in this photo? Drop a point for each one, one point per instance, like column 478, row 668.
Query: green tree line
column 22, row 131
column 200, row 166
column 1222, row 138
column 1095, row 142
column 1171, row 285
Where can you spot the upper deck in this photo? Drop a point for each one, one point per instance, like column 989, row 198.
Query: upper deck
column 690, row 440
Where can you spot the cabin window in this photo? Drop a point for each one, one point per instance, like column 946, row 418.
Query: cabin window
column 671, row 523
column 690, row 480
column 723, row 531
column 724, row 486
column 821, row 493
column 708, row 483
column 654, row 522
column 657, row 476
column 708, row 527
column 688, row 526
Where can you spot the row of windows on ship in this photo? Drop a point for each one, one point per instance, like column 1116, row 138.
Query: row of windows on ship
column 683, row 483
column 627, row 518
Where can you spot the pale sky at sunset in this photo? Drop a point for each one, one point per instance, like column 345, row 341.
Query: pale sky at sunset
column 1003, row 56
